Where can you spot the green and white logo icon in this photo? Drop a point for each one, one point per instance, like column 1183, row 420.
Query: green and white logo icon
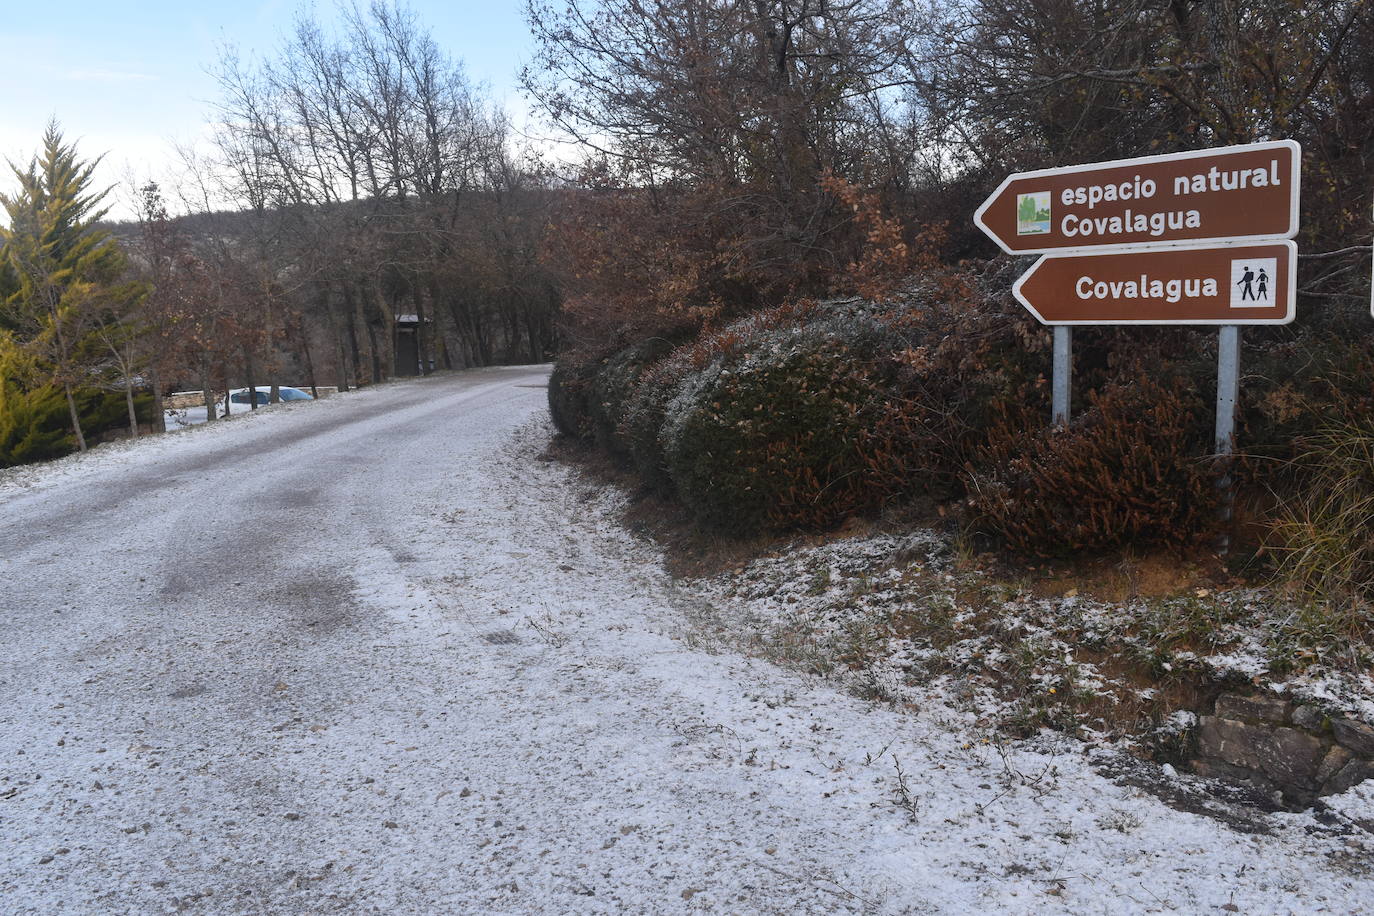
column 1033, row 213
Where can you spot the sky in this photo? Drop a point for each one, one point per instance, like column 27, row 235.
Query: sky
column 127, row 79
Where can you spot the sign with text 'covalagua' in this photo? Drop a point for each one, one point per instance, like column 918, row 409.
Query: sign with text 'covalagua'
column 1186, row 284
column 1233, row 193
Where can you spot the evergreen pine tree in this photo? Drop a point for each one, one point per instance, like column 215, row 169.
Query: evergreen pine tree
column 57, row 269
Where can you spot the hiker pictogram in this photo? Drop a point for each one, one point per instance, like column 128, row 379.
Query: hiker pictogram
column 1252, row 283
column 1246, row 279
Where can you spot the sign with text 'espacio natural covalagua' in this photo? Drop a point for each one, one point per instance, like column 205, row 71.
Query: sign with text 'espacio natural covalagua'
column 1219, row 195
column 1197, row 237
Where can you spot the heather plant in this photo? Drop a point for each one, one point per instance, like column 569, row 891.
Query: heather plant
column 1131, row 469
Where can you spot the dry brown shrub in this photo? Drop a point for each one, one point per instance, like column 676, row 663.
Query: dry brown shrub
column 1133, row 468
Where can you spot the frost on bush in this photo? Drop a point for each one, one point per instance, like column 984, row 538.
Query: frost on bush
column 779, row 434
column 609, row 392
column 569, row 386
column 642, row 422
column 800, row 415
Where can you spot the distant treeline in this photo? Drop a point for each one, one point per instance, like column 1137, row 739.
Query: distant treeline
column 358, row 187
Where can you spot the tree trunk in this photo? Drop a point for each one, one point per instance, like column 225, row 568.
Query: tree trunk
column 1224, row 23
column 341, row 375
column 482, row 339
column 460, row 328
column 129, row 401
column 373, row 318
column 211, row 409
column 376, row 352
column 351, row 303
column 421, row 336
column 76, row 418
column 159, row 411
column 309, row 363
column 248, row 374
column 536, row 350
column 438, row 338
column 66, row 385
column 336, row 335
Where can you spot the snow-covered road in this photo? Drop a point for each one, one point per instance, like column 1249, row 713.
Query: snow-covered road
column 371, row 654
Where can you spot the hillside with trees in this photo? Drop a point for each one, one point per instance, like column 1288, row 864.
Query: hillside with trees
column 785, row 331
column 783, row 314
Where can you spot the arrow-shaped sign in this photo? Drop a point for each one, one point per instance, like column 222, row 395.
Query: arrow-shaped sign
column 1186, row 284
column 1233, row 193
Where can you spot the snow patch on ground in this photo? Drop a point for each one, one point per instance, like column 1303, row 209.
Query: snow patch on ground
column 893, row 616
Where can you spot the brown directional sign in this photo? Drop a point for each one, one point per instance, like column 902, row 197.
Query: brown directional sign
column 1233, row 193
column 1186, row 284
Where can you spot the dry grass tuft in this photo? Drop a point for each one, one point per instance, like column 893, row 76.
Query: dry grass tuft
column 1323, row 535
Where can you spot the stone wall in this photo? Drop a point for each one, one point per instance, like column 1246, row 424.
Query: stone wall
column 1278, row 746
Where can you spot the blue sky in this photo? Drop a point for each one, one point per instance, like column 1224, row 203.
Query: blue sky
column 127, row 78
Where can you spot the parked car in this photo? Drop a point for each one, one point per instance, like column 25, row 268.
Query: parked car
column 263, row 395
column 191, row 411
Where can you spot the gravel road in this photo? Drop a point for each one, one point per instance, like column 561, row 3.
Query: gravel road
column 372, row 654
column 335, row 658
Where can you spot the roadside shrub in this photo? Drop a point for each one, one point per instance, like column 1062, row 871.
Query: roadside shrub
column 780, row 437
column 570, row 397
column 967, row 364
column 36, row 425
column 641, row 424
column 1323, row 533
column 612, row 387
column 935, row 365
column 642, row 421
column 1309, row 386
column 1130, row 469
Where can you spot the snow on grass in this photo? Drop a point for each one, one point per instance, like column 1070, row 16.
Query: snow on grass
column 890, row 616
column 945, row 813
